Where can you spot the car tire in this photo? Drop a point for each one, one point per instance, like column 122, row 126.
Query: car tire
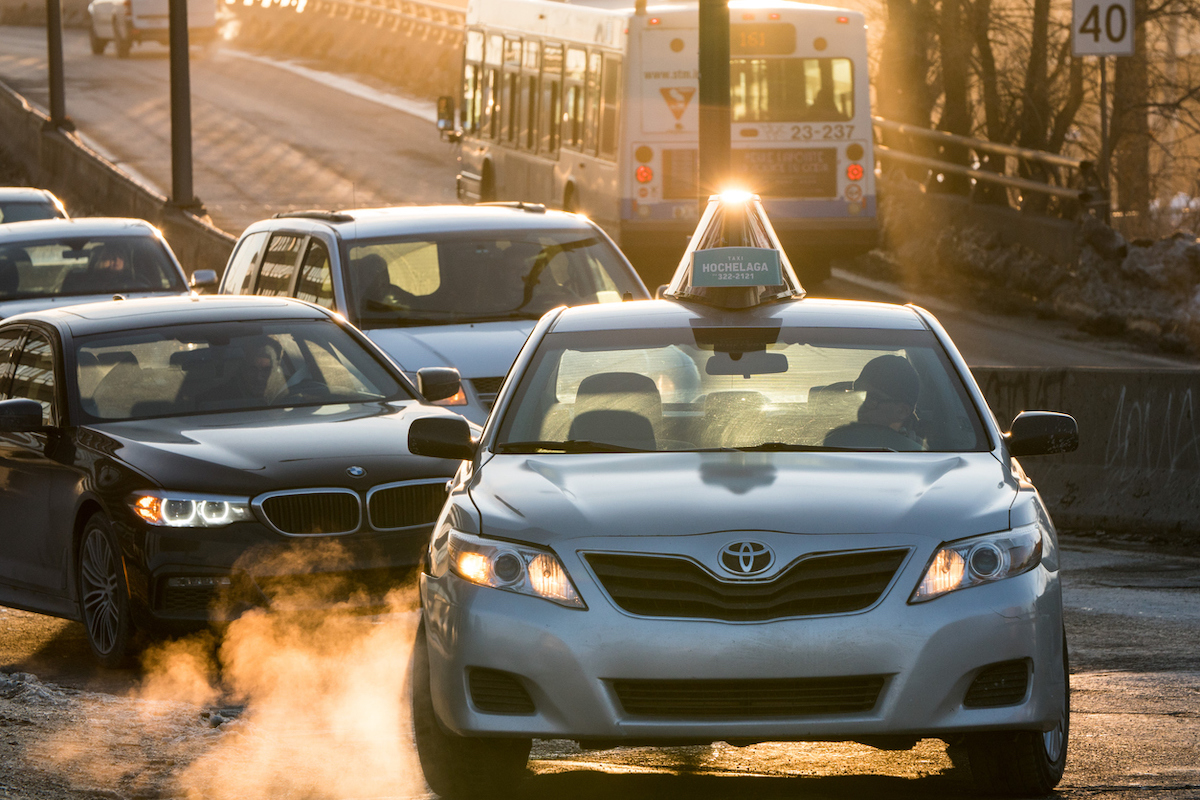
column 98, row 43
column 103, row 595
column 1022, row 763
column 458, row 766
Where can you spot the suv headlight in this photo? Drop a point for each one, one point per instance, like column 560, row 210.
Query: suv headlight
column 980, row 559
column 183, row 510
column 513, row 568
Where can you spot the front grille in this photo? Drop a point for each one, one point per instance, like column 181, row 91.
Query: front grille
column 487, row 388
column 187, row 601
column 314, row 512
column 662, row 586
column 1001, row 684
column 499, row 693
column 749, row 699
column 405, row 505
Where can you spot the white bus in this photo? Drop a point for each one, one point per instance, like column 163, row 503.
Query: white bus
column 592, row 106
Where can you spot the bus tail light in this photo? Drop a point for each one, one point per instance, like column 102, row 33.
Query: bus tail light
column 854, row 172
column 644, row 174
column 772, row 16
column 843, row 20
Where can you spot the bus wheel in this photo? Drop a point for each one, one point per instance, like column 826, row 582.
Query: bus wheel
column 569, row 203
column 487, row 185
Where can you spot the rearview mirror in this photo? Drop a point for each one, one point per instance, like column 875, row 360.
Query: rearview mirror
column 204, row 279
column 441, row 437
column 753, row 362
column 20, row 416
column 1042, row 433
column 438, row 383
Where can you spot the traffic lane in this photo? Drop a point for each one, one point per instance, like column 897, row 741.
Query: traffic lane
column 998, row 340
column 265, row 139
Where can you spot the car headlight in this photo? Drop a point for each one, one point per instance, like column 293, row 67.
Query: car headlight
column 513, row 568
column 980, row 559
column 183, row 510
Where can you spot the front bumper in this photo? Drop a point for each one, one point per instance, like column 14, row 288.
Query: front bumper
column 569, row 661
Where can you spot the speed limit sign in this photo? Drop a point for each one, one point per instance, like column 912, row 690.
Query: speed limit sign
column 1102, row 28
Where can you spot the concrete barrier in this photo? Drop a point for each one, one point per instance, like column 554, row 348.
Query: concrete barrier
column 59, row 161
column 1138, row 462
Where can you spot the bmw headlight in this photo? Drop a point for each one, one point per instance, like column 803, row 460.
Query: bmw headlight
column 980, row 559
column 512, row 567
column 183, row 510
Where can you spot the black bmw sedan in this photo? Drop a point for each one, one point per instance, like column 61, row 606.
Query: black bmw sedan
column 168, row 461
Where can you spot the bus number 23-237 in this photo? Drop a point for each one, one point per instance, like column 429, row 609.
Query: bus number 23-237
column 808, row 132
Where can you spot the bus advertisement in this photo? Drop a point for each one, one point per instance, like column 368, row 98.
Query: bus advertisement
column 593, row 107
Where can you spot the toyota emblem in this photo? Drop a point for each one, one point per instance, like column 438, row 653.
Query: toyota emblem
column 747, row 558
column 356, row 472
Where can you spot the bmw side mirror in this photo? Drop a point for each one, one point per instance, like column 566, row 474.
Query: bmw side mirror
column 203, row 279
column 445, row 119
column 438, row 383
column 1042, row 433
column 441, row 437
column 20, row 416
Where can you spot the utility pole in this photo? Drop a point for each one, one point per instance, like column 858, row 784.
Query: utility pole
column 715, row 163
column 54, row 55
column 182, row 193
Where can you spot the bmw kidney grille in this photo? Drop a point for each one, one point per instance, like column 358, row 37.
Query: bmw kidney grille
column 334, row 511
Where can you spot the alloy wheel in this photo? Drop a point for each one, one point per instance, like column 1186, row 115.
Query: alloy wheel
column 99, row 583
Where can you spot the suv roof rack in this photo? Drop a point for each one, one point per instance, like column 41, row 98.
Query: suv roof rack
column 532, row 208
column 327, row 216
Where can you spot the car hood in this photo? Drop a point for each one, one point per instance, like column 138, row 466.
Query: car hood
column 548, row 498
column 10, row 308
column 247, row 453
column 476, row 350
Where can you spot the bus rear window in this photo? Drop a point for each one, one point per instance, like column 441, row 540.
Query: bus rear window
column 791, row 89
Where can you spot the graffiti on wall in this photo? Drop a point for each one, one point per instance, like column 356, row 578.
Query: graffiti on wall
column 1153, row 433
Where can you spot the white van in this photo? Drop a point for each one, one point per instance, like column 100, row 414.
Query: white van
column 125, row 22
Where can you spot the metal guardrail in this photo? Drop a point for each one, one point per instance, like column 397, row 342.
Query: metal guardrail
column 1019, row 172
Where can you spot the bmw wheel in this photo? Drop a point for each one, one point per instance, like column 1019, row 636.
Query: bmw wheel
column 1022, row 763
column 103, row 596
column 458, row 766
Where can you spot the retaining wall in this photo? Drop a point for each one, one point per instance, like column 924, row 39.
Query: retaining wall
column 59, row 161
column 1138, row 462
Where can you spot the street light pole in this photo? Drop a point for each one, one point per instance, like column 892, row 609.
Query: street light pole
column 715, row 164
column 54, row 55
column 182, row 193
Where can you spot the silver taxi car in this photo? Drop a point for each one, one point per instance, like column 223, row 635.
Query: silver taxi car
column 740, row 515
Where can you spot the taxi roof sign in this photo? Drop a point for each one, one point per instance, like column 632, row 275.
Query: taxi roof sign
column 734, row 259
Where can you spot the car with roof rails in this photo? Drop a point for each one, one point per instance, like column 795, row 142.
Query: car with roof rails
column 23, row 203
column 739, row 514
column 56, row 262
column 445, row 286
column 169, row 462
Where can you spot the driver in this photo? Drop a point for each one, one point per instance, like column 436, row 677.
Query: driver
column 892, row 387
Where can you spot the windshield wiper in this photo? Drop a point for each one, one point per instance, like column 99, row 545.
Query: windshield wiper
column 785, row 447
column 568, row 446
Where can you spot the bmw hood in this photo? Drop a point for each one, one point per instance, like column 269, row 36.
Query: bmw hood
column 247, row 453
column 547, row 498
column 476, row 350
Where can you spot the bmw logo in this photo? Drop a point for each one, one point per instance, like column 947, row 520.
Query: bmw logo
column 747, row 558
column 356, row 472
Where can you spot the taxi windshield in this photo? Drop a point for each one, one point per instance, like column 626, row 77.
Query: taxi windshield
column 752, row 389
column 479, row 276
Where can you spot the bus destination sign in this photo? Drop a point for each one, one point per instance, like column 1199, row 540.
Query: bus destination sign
column 762, row 39
column 736, row 266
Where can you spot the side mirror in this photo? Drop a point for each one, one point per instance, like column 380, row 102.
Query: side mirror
column 20, row 416
column 204, row 279
column 445, row 119
column 438, row 383
column 1042, row 433
column 441, row 437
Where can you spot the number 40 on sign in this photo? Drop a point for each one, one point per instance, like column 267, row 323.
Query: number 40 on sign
column 1102, row 27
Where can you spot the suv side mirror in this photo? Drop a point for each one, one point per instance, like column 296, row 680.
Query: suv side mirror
column 445, row 119
column 438, row 383
column 204, row 279
column 441, row 437
column 1042, row 433
column 20, row 416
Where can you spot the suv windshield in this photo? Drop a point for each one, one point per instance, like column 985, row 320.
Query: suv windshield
column 228, row 366
column 478, row 276
column 748, row 389
column 83, row 266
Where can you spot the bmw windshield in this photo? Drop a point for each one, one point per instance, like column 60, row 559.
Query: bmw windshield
column 751, row 389
column 86, row 266
column 480, row 276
